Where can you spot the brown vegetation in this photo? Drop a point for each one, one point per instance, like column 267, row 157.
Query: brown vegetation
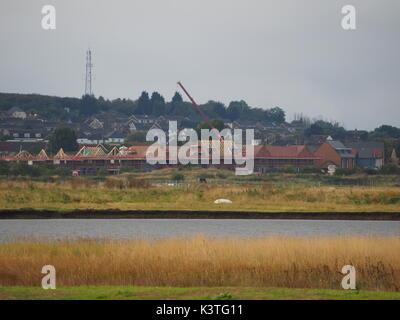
column 202, row 261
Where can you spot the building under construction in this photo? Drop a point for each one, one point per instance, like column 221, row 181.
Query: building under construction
column 89, row 160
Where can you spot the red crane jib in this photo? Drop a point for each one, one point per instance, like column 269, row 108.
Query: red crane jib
column 204, row 116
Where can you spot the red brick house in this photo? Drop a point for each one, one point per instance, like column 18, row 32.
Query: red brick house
column 268, row 157
column 334, row 152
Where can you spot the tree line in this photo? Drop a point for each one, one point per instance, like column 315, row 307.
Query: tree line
column 154, row 104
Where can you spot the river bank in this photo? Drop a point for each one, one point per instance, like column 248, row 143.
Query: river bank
column 186, row 214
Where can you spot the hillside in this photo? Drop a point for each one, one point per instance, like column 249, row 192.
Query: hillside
column 74, row 109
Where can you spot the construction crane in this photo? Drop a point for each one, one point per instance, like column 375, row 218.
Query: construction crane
column 203, row 115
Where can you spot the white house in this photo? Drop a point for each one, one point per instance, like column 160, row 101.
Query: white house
column 16, row 112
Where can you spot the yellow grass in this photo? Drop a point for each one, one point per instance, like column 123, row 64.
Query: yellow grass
column 201, row 261
column 124, row 194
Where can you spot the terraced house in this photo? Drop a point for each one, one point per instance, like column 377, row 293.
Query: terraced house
column 90, row 159
column 333, row 152
column 267, row 157
column 369, row 154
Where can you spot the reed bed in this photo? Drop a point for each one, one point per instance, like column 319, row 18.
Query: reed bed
column 291, row 262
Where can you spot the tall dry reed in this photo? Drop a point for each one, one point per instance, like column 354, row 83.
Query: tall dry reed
column 202, row 261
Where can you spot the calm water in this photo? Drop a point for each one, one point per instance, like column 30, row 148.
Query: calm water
column 158, row 228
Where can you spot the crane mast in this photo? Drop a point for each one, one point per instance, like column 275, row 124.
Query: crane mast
column 203, row 115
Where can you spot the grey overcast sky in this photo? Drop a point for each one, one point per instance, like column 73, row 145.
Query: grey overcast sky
column 288, row 53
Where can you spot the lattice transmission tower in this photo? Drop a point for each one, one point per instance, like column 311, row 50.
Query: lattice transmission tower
column 88, row 78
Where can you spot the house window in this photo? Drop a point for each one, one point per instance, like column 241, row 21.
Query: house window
column 27, row 135
column 38, row 135
column 15, row 135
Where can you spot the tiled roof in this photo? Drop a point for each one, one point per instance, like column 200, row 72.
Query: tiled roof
column 137, row 151
column 341, row 149
column 295, row 151
column 367, row 149
column 336, row 144
column 14, row 109
column 366, row 145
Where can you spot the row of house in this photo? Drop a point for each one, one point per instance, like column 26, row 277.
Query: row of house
column 16, row 126
column 89, row 159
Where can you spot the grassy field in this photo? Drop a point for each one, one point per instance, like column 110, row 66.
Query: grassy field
column 206, row 262
column 203, row 293
column 149, row 191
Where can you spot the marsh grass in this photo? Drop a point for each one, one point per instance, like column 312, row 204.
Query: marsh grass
column 288, row 262
column 126, row 194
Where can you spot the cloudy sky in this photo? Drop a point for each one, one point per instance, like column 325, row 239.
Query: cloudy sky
column 288, row 53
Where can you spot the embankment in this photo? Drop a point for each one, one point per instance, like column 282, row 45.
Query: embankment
column 185, row 214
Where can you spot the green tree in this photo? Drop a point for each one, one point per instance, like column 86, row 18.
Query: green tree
column 217, row 124
column 89, row 105
column 158, row 104
column 276, row 115
column 63, row 137
column 315, row 129
column 386, row 131
column 137, row 136
column 214, row 109
column 389, row 145
column 176, row 105
column 177, row 98
column 236, row 108
column 321, row 127
column 144, row 104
